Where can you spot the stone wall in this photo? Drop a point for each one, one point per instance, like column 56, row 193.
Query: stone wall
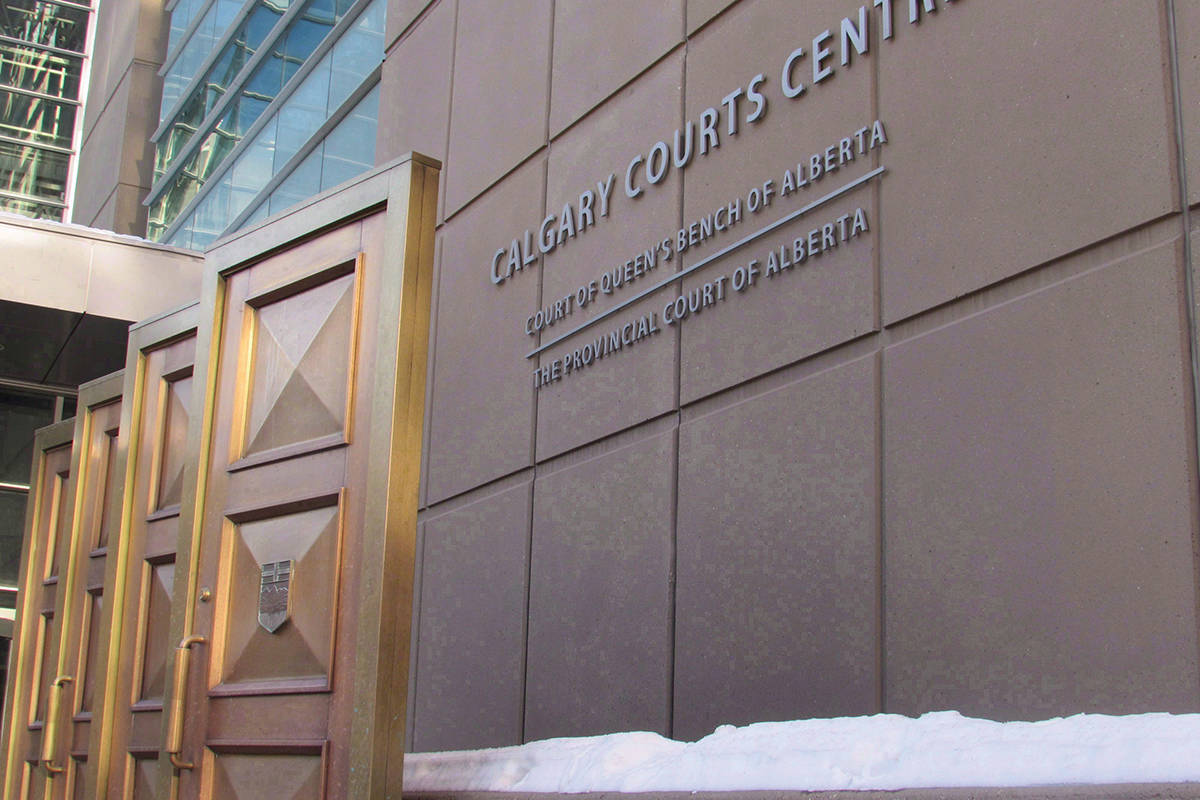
column 943, row 458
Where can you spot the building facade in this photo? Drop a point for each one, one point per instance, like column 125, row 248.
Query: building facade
column 44, row 66
column 799, row 360
column 786, row 360
column 264, row 104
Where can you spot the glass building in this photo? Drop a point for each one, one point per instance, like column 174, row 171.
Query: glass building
column 264, row 103
column 43, row 65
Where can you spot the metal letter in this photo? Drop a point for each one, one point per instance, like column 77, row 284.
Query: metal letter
column 790, row 90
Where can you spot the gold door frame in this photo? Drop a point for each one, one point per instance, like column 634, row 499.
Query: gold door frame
column 109, row 737
column 406, row 191
column 24, row 667
column 91, row 481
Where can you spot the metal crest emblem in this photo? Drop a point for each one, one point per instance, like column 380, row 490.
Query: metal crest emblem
column 274, row 599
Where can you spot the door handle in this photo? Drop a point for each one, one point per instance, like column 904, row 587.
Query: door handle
column 183, row 655
column 50, row 732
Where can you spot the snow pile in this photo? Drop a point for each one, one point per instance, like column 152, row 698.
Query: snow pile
column 886, row 751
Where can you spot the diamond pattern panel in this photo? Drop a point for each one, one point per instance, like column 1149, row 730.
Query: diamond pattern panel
column 108, row 498
column 45, row 668
column 156, row 645
column 144, row 779
column 89, row 678
column 302, row 647
column 173, row 445
column 33, row 783
column 301, row 356
column 60, row 521
column 78, row 783
column 240, row 776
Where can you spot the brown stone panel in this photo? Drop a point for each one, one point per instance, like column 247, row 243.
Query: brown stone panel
column 498, row 111
column 116, row 154
column 588, row 68
column 1187, row 32
column 1194, row 240
column 430, row 363
column 401, row 13
column 478, row 434
column 776, row 610
column 826, row 300
column 416, row 88
column 127, row 37
column 599, row 600
column 100, row 83
column 1066, row 142
column 99, row 176
column 470, row 657
column 628, row 386
column 701, row 11
column 1038, row 536
column 121, row 211
column 803, row 308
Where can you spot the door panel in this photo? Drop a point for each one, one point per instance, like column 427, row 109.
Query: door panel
column 176, row 396
column 97, row 495
column 59, row 668
column 142, row 776
column 153, row 645
column 298, row 655
column 298, row 347
column 33, row 782
column 249, row 772
column 274, row 645
column 47, row 649
column 216, row 591
column 134, row 601
column 89, row 671
column 274, row 528
column 37, row 635
column 113, row 484
column 95, row 633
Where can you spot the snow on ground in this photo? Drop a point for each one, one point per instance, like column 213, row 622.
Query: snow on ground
column 886, row 751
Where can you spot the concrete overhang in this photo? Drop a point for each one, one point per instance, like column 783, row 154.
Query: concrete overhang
column 68, row 294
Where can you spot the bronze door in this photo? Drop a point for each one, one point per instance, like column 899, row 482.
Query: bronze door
column 34, row 768
column 139, row 575
column 275, row 531
column 98, row 487
column 279, row 637
column 73, row 501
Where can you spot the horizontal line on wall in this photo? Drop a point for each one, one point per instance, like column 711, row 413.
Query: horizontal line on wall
column 820, row 201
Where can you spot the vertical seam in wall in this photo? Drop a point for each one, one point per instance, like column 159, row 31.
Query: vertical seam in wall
column 533, row 423
column 1190, row 289
column 880, row 343
column 410, row 724
column 549, row 77
column 673, row 573
column 525, row 614
column 445, row 177
column 410, row 733
column 672, row 582
column 435, row 300
column 533, row 428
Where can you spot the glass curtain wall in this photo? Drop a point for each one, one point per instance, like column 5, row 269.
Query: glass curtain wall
column 270, row 89
column 42, row 53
